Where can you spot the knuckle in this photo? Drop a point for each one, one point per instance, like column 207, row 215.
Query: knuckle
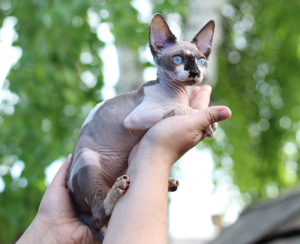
column 210, row 117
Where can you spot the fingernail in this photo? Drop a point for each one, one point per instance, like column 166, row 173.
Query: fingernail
column 225, row 113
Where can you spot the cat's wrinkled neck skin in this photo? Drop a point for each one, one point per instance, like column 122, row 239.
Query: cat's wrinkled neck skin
column 170, row 85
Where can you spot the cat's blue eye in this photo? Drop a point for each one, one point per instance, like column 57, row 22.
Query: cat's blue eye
column 177, row 60
column 201, row 62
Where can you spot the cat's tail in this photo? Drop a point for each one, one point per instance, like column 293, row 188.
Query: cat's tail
column 87, row 219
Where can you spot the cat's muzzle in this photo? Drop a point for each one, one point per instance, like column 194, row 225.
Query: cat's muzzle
column 193, row 73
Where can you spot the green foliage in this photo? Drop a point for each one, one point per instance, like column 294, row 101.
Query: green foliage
column 54, row 95
column 259, row 80
column 50, row 108
column 131, row 32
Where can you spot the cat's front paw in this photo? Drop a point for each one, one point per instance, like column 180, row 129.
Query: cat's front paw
column 210, row 130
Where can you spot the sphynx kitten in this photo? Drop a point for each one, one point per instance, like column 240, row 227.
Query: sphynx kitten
column 96, row 177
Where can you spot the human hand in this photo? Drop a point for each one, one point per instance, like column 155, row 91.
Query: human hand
column 174, row 136
column 149, row 166
column 56, row 221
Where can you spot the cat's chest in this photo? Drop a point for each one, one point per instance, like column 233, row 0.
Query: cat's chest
column 156, row 103
column 156, row 97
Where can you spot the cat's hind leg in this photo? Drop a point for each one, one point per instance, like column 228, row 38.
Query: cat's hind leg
column 173, row 184
column 86, row 190
column 117, row 190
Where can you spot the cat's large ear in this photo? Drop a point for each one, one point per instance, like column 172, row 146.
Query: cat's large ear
column 160, row 35
column 203, row 40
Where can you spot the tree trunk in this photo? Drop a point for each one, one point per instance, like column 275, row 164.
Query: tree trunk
column 200, row 12
column 131, row 71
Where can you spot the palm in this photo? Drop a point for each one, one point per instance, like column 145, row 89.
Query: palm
column 57, row 210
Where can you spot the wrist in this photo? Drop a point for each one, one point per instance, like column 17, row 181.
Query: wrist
column 143, row 158
column 38, row 232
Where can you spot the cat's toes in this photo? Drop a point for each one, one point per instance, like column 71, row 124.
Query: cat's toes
column 173, row 184
column 210, row 130
column 122, row 184
column 214, row 126
column 117, row 190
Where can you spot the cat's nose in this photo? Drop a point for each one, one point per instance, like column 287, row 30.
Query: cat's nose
column 193, row 73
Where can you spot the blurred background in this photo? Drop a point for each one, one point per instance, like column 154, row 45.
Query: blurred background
column 58, row 59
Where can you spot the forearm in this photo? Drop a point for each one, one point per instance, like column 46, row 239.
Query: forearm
column 143, row 209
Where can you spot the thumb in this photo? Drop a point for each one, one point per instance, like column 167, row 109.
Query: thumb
column 60, row 177
column 213, row 114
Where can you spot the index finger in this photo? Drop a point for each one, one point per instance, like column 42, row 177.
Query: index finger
column 200, row 97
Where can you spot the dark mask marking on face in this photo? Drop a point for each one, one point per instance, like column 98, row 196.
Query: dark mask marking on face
column 192, row 67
